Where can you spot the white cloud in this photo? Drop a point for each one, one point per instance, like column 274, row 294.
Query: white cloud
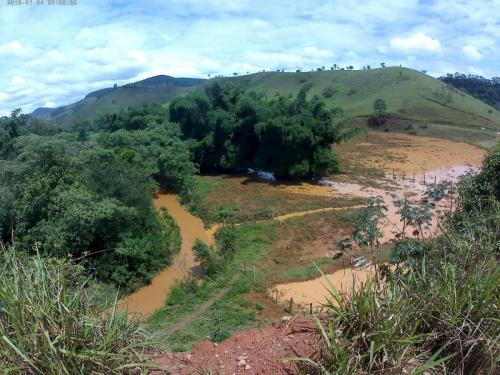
column 138, row 56
column 17, row 49
column 314, row 51
column 3, row 96
column 17, row 80
column 472, row 53
column 418, row 42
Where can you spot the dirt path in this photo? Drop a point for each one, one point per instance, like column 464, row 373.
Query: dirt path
column 311, row 212
column 201, row 309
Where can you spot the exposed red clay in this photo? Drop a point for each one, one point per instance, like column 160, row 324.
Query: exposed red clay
column 257, row 351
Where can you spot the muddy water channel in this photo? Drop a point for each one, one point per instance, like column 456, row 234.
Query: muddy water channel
column 152, row 297
column 315, row 291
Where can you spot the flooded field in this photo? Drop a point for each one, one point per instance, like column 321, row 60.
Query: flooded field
column 408, row 153
column 152, row 297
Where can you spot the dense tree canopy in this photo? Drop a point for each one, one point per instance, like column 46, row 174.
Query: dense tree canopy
column 229, row 129
column 90, row 199
column 487, row 90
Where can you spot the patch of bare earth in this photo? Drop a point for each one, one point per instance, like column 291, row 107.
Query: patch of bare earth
column 408, row 153
column 257, row 351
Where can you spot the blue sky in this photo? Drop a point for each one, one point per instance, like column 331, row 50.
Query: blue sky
column 52, row 55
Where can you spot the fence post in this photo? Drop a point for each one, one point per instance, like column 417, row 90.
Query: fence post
column 291, row 306
column 434, row 179
column 254, row 274
column 424, row 178
column 403, row 175
column 413, row 177
column 311, row 309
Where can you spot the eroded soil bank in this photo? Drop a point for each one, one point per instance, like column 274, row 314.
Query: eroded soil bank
column 152, row 297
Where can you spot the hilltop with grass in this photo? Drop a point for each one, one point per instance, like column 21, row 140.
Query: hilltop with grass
column 416, row 102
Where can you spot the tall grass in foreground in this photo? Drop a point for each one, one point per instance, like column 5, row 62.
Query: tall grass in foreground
column 440, row 311
column 51, row 322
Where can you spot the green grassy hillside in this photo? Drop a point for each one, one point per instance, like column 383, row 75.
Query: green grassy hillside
column 430, row 106
column 159, row 89
column 408, row 93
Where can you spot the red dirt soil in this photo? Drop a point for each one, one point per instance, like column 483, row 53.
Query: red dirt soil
column 257, row 351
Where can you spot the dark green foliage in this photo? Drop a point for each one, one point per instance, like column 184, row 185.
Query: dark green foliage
column 16, row 125
column 477, row 190
column 229, row 129
column 487, row 90
column 212, row 258
column 379, row 113
column 225, row 238
column 90, row 199
column 328, row 92
column 209, row 258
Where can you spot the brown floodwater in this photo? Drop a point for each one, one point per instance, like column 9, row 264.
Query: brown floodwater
column 152, row 297
column 316, row 291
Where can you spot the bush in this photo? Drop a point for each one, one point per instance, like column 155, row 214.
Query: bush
column 51, row 321
column 208, row 258
column 225, row 238
column 328, row 92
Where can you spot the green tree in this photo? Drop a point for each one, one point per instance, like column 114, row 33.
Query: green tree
column 379, row 108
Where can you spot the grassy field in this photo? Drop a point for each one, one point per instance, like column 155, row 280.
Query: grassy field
column 409, row 95
column 245, row 199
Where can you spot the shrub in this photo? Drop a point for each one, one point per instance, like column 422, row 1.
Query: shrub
column 328, row 92
column 208, row 258
column 225, row 238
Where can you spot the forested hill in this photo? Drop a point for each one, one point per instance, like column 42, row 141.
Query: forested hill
column 486, row 90
column 157, row 89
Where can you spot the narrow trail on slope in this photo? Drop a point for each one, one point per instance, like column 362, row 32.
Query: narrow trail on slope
column 201, row 309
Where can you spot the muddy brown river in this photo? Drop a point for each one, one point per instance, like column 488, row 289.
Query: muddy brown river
column 152, row 297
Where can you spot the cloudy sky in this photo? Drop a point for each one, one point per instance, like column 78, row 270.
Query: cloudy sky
column 52, row 55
